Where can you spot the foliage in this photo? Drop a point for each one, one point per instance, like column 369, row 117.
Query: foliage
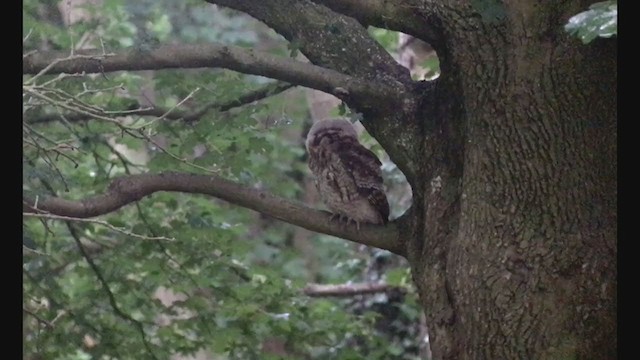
column 601, row 20
column 174, row 273
column 386, row 38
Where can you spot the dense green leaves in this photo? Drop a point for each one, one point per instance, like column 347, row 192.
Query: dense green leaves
column 221, row 279
column 601, row 20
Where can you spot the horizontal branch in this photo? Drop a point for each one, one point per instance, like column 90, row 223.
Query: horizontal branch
column 128, row 189
column 346, row 290
column 176, row 114
column 407, row 16
column 206, row 56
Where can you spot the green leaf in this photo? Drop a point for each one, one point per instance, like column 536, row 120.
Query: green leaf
column 397, row 277
column 294, row 48
column 117, row 222
column 601, row 20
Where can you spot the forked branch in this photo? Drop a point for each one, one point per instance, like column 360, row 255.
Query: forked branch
column 176, row 114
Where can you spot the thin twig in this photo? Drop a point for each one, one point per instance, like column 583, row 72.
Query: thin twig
column 28, row 249
column 47, row 159
column 56, row 303
column 105, row 285
column 248, row 98
column 68, row 107
column 182, row 160
column 26, row 37
column 61, row 60
column 45, row 322
column 61, row 77
column 103, row 223
column 174, row 107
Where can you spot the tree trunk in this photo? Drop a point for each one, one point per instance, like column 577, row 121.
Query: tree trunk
column 511, row 155
column 517, row 260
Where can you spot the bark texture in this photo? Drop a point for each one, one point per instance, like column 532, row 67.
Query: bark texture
column 510, row 153
column 518, row 254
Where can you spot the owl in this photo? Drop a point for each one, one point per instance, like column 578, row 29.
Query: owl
column 347, row 175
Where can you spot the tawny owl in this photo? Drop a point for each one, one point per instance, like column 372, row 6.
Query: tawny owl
column 347, row 175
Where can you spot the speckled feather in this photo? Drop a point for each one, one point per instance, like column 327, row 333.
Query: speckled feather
column 347, row 175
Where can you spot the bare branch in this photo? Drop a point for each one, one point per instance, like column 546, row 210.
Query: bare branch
column 37, row 317
column 128, row 189
column 207, row 56
column 346, row 290
column 176, row 114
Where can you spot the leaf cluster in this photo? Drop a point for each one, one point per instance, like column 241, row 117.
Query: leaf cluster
column 230, row 283
column 601, row 20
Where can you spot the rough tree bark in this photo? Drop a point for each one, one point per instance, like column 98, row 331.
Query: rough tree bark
column 510, row 153
column 513, row 242
column 527, row 250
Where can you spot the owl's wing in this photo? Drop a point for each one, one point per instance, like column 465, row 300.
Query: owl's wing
column 364, row 167
column 332, row 177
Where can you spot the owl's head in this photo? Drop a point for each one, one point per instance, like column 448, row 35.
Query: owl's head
column 335, row 127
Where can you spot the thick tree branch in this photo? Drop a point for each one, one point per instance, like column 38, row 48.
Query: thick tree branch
column 408, row 17
column 176, row 114
column 128, row 189
column 331, row 40
column 210, row 56
column 346, row 290
column 340, row 42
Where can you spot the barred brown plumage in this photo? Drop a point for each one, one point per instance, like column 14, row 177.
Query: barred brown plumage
column 347, row 175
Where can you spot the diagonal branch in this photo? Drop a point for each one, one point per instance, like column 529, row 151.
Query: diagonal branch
column 334, row 41
column 37, row 317
column 209, row 56
column 337, row 41
column 128, row 189
column 326, row 37
column 176, row 114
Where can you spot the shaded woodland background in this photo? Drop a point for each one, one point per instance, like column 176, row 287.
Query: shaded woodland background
column 230, row 280
column 178, row 275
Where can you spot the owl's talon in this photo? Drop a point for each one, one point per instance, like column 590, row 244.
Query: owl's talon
column 333, row 216
column 342, row 218
column 350, row 220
